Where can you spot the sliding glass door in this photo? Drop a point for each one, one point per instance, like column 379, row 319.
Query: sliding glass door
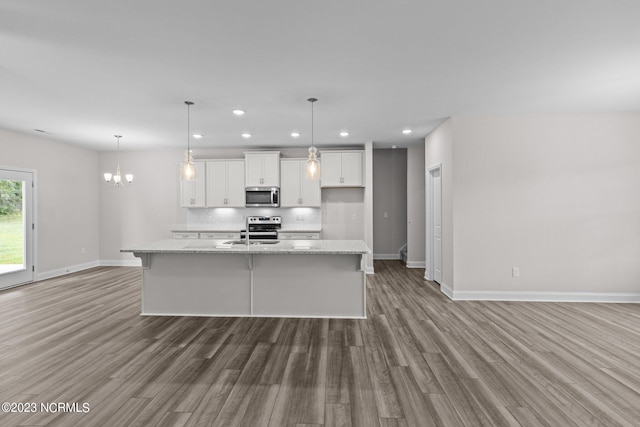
column 16, row 227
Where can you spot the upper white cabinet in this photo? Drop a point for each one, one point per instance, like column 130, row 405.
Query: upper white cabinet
column 296, row 188
column 262, row 169
column 192, row 193
column 225, row 183
column 342, row 168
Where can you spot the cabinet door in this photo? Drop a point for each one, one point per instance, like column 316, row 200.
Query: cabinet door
column 235, row 184
column 352, row 169
column 271, row 169
column 253, row 170
column 192, row 193
column 309, row 188
column 331, row 169
column 290, row 183
column 216, row 184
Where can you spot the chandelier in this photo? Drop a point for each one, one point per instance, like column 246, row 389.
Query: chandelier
column 116, row 178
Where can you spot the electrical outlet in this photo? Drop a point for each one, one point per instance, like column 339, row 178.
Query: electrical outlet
column 83, row 250
column 515, row 272
column 355, row 217
column 386, row 215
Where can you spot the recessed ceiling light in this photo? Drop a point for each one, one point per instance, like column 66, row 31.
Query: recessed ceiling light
column 406, row 131
column 394, row 146
column 238, row 112
column 295, row 134
column 246, row 135
column 197, row 135
column 344, row 133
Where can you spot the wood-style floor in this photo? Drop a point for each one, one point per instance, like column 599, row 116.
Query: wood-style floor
column 418, row 360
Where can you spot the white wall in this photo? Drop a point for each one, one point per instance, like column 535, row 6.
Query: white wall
column 557, row 196
column 67, row 199
column 390, row 198
column 143, row 212
column 416, row 206
column 439, row 151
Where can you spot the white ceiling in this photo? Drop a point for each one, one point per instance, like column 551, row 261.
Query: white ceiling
column 85, row 70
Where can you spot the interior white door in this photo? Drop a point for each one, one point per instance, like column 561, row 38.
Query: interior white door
column 436, row 232
column 16, row 227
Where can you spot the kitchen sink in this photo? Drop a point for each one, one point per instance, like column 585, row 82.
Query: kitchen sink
column 252, row 242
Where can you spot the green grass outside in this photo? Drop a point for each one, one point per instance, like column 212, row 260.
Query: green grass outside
column 11, row 239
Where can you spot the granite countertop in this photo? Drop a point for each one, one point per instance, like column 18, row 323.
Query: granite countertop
column 283, row 247
column 236, row 229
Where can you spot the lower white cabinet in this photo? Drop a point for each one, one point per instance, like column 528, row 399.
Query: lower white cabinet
column 298, row 235
column 179, row 235
column 219, row 235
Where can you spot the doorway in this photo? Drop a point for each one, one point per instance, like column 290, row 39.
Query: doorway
column 434, row 228
column 16, row 227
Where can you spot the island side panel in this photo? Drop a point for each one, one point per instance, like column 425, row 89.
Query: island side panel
column 197, row 285
column 309, row 286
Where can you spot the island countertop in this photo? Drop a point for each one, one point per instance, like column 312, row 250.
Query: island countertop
column 283, row 247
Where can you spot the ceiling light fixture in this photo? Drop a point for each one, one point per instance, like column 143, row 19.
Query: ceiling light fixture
column 313, row 165
column 197, row 135
column 187, row 168
column 246, row 135
column 116, row 178
column 406, row 131
column 344, row 133
column 295, row 134
column 238, row 112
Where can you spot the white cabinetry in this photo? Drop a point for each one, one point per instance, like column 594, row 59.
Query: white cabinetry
column 342, row 168
column 262, row 169
column 185, row 235
column 225, row 183
column 192, row 193
column 296, row 189
column 215, row 235
column 298, row 235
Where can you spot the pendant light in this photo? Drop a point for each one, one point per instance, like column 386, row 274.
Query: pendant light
column 313, row 165
column 187, row 168
column 116, row 178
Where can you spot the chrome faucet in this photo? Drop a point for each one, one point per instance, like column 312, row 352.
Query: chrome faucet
column 246, row 231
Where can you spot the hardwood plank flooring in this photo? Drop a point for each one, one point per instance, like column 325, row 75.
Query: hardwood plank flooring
column 418, row 359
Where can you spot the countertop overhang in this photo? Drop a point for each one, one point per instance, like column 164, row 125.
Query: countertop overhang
column 283, row 247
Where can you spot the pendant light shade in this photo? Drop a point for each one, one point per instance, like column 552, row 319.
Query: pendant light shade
column 187, row 168
column 313, row 164
column 116, row 178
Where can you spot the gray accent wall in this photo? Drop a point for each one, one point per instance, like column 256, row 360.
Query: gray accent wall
column 390, row 198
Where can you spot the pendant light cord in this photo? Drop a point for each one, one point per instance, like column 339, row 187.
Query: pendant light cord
column 312, row 100
column 189, row 104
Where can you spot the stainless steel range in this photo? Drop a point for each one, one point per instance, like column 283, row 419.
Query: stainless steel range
column 262, row 227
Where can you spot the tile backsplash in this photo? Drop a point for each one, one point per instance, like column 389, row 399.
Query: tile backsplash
column 235, row 217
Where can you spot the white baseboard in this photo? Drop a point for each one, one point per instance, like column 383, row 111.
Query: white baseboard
column 447, row 291
column 121, row 262
column 64, row 270
column 386, row 256
column 416, row 264
column 542, row 296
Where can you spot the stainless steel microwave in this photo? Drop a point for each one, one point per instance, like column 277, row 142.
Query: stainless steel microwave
column 262, row 197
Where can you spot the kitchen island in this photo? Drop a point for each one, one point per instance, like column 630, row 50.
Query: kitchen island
column 292, row 278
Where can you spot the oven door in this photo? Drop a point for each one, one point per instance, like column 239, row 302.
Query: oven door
column 256, row 197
